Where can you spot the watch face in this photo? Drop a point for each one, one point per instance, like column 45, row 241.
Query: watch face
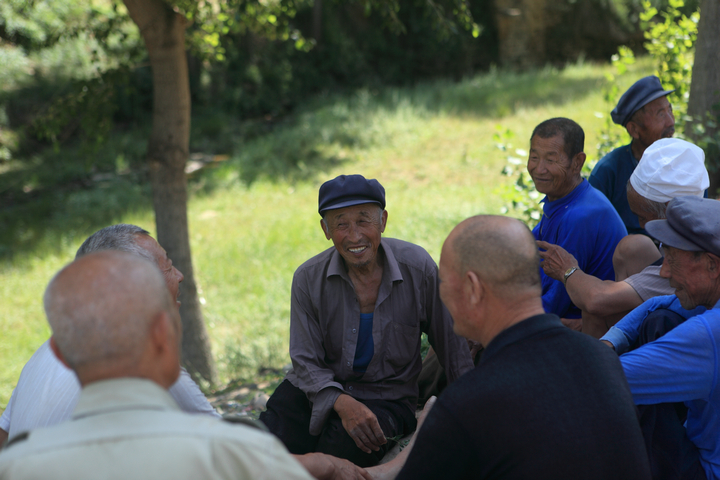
column 569, row 272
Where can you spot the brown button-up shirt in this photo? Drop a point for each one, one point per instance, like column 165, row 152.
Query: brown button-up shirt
column 325, row 321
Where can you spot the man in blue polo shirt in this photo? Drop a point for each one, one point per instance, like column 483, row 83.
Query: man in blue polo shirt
column 646, row 113
column 673, row 346
column 575, row 215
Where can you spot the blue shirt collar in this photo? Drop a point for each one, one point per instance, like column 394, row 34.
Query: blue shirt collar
column 549, row 208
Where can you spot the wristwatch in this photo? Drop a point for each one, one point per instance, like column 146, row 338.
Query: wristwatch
column 568, row 272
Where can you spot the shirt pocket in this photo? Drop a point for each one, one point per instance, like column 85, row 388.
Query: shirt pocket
column 401, row 344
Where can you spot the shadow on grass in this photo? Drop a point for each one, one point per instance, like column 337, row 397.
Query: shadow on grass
column 54, row 198
column 52, row 216
column 331, row 130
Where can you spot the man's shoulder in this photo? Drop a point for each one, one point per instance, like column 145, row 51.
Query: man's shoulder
column 592, row 203
column 319, row 261
column 168, row 439
column 408, row 253
column 134, row 424
column 612, row 160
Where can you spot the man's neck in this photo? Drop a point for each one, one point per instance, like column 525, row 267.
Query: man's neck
column 367, row 274
column 577, row 181
column 366, row 282
column 637, row 149
column 511, row 313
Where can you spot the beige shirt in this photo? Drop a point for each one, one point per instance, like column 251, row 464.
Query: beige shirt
column 131, row 428
column 649, row 284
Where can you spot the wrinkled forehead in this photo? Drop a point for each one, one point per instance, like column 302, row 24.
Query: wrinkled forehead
column 367, row 210
column 152, row 247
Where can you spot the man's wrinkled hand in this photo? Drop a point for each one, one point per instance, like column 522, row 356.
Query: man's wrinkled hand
column 360, row 423
column 555, row 260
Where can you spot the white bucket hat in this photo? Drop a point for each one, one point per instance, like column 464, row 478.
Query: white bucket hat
column 671, row 168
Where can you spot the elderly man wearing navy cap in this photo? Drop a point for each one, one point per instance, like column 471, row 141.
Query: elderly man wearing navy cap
column 357, row 312
column 683, row 364
column 646, row 113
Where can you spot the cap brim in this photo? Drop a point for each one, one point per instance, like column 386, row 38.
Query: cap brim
column 663, row 232
column 348, row 203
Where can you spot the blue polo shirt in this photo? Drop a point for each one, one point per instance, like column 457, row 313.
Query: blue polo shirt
column 585, row 224
column 610, row 176
column 681, row 366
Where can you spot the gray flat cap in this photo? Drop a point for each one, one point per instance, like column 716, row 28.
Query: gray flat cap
column 692, row 224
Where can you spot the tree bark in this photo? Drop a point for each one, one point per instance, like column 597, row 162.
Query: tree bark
column 317, row 21
column 705, row 87
column 521, row 26
column 163, row 31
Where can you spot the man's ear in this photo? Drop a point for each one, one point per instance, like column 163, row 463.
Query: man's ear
column 325, row 228
column 162, row 331
column 476, row 288
column 713, row 265
column 578, row 162
column 56, row 350
column 633, row 129
column 383, row 219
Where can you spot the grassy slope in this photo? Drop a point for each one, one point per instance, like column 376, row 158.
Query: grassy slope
column 253, row 220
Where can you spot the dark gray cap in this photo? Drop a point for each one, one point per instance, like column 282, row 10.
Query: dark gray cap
column 348, row 190
column 640, row 94
column 692, row 224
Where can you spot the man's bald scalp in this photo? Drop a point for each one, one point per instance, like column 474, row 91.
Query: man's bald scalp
column 100, row 307
column 500, row 250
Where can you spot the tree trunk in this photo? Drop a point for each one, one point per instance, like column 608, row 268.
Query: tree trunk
column 521, row 26
column 317, row 21
column 705, row 87
column 163, row 31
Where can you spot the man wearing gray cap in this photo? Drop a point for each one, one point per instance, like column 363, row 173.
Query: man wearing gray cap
column 683, row 364
column 647, row 115
column 357, row 312
column 669, row 168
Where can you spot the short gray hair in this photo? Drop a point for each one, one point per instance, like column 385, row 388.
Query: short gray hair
column 656, row 209
column 120, row 237
column 100, row 307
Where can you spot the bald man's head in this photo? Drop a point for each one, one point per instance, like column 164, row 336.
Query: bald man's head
column 500, row 250
column 101, row 306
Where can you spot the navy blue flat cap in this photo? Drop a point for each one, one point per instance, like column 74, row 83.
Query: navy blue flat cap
column 640, row 94
column 348, row 190
column 692, row 224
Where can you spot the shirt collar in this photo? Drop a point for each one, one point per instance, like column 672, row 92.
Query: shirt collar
column 549, row 208
column 526, row 328
column 390, row 265
column 119, row 394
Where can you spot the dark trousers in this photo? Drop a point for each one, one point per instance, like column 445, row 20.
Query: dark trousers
column 288, row 418
column 672, row 455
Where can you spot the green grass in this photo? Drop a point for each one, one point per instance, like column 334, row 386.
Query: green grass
column 253, row 218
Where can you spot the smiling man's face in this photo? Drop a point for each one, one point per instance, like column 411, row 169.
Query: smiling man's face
column 552, row 172
column 355, row 231
column 172, row 275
